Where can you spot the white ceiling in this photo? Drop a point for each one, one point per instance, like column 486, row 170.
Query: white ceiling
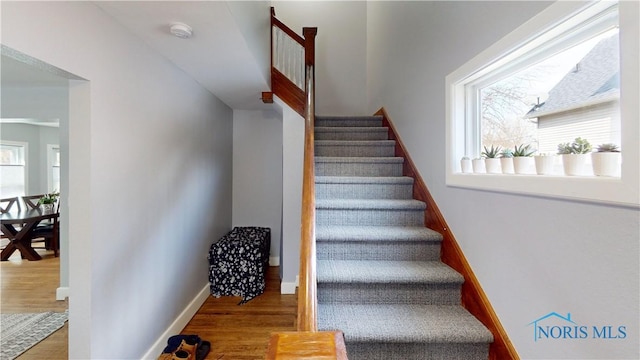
column 217, row 56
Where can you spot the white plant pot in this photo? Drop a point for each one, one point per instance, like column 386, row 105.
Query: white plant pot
column 507, row 165
column 524, row 165
column 466, row 166
column 606, row 163
column 493, row 166
column 574, row 164
column 478, row 166
column 544, row 164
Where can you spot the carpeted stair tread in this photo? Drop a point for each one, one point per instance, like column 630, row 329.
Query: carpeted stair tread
column 356, row 159
column 380, row 276
column 403, row 323
column 355, row 148
column 351, row 133
column 397, row 272
column 369, row 204
column 376, row 233
column 355, row 142
column 363, row 180
column 348, row 121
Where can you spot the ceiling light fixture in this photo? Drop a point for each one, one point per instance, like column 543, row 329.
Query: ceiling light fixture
column 183, row 31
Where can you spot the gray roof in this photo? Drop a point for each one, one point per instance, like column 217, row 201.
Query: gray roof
column 595, row 79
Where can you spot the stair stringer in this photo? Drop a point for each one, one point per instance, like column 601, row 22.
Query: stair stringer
column 473, row 297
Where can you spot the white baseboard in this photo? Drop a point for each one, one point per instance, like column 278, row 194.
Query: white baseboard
column 274, row 261
column 178, row 324
column 289, row 287
column 62, row 293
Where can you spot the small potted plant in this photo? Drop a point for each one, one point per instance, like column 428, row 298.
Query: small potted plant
column 478, row 165
column 492, row 161
column 606, row 160
column 506, row 161
column 544, row 163
column 466, row 166
column 522, row 159
column 574, row 156
column 48, row 200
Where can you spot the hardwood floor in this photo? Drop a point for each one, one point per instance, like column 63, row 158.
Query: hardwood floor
column 236, row 332
column 29, row 287
column 242, row 332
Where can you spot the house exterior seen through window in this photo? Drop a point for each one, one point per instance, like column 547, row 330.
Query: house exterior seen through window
column 574, row 93
column 566, row 77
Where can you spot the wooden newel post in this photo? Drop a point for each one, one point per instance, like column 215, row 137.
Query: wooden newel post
column 309, row 35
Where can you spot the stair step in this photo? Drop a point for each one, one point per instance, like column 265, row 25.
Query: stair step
column 364, row 187
column 388, row 282
column 358, row 166
column 349, row 121
column 379, row 275
column 377, row 243
column 370, row 212
column 351, row 133
column 355, row 148
column 392, row 331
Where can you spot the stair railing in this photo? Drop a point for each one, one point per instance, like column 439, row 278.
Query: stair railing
column 293, row 80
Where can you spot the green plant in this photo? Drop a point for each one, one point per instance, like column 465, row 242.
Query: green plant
column 491, row 153
column 49, row 198
column 465, row 158
column 608, row 148
column 522, row 150
column 578, row 146
column 506, row 153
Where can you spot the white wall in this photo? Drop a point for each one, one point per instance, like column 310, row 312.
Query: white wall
column 257, row 173
column 268, row 151
column 340, row 51
column 531, row 255
column 150, row 176
column 292, row 164
column 254, row 21
column 42, row 102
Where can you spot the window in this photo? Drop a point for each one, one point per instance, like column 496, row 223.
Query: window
column 558, row 77
column 569, row 94
column 53, row 168
column 13, row 170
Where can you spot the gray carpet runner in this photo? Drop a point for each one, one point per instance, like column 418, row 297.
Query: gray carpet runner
column 380, row 278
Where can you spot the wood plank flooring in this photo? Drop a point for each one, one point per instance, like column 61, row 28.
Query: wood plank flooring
column 236, row 332
column 242, row 332
column 29, row 287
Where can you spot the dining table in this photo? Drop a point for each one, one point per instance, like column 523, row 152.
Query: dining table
column 18, row 226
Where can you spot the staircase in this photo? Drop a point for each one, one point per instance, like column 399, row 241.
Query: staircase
column 379, row 278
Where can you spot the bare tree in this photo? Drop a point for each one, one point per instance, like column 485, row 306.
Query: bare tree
column 503, row 107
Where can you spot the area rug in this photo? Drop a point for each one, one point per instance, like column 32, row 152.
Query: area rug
column 19, row 332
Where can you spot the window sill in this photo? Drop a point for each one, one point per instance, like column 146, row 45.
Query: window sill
column 605, row 190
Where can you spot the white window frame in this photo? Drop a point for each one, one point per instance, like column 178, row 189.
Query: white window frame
column 51, row 151
column 25, row 146
column 622, row 191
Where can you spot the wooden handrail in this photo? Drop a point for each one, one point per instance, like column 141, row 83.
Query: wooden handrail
column 284, row 87
column 303, row 102
column 277, row 23
column 307, row 291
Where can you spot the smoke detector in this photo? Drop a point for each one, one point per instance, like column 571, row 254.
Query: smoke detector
column 183, row 31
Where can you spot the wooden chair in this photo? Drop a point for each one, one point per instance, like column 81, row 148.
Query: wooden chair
column 48, row 232
column 31, row 201
column 7, row 203
column 5, row 206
